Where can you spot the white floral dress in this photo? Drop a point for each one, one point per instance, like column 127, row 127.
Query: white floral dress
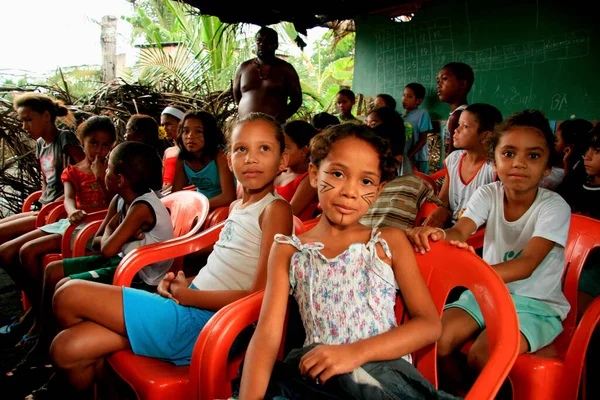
column 346, row 298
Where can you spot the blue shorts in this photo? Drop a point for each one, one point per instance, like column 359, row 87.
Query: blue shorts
column 158, row 327
column 539, row 323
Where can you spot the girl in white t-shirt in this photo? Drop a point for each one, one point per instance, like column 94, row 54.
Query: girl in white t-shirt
column 526, row 231
column 101, row 319
column 468, row 168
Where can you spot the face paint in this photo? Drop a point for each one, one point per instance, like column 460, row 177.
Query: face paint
column 368, row 198
column 326, row 187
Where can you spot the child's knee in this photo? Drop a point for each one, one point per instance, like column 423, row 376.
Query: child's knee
column 478, row 355
column 27, row 253
column 445, row 345
column 54, row 272
column 8, row 252
column 64, row 350
column 65, row 297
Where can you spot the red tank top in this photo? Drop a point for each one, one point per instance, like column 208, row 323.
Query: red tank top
column 288, row 191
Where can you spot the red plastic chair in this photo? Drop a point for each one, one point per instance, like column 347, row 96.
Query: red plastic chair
column 151, row 378
column 211, row 374
column 32, row 198
column 217, row 215
column 424, row 211
column 438, row 174
column 555, row 371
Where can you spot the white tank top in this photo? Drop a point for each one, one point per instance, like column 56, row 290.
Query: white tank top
column 459, row 191
column 234, row 259
column 161, row 231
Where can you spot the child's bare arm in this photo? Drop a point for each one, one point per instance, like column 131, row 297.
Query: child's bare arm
column 266, row 340
column 226, row 181
column 441, row 214
column 523, row 266
column 276, row 218
column 419, row 145
column 74, row 214
column 422, row 329
column 139, row 216
column 452, row 125
column 304, row 196
column 179, row 179
column 460, row 232
column 112, row 210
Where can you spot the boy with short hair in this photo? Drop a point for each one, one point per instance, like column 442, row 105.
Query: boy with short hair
column 345, row 100
column 454, row 81
column 417, row 149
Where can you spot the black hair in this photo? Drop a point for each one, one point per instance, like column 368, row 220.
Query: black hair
column 390, row 133
column 528, row 118
column 146, row 126
column 487, row 115
column 394, row 123
column 593, row 138
column 576, row 133
column 389, row 100
column 348, row 93
column 140, row 164
column 418, row 89
column 321, row 145
column 323, row 119
column 213, row 136
column 95, row 124
column 41, row 103
column 463, row 72
column 300, row 132
column 266, row 31
column 256, row 116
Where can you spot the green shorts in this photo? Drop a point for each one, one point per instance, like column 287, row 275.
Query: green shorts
column 98, row 268
column 539, row 323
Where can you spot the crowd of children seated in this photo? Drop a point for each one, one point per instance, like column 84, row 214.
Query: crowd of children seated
column 358, row 182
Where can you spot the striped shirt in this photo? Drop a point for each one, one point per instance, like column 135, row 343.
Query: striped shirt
column 399, row 203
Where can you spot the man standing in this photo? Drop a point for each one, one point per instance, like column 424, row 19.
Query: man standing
column 266, row 83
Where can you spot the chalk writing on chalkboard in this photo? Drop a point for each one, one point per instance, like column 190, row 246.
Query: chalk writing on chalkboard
column 415, row 52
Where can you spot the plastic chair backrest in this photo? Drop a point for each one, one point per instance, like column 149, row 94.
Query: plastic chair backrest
column 584, row 235
column 424, row 211
column 188, row 210
column 42, row 216
column 217, row 215
column 428, row 181
column 32, row 198
column 470, row 271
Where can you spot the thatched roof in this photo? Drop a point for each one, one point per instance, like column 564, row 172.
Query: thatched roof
column 304, row 14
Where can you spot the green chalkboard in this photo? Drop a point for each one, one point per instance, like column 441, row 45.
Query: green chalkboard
column 526, row 54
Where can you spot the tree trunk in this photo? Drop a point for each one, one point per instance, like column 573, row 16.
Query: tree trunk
column 108, row 38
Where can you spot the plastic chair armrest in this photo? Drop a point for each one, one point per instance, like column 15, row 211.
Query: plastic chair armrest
column 82, row 238
column 133, row 262
column 57, row 213
column 208, row 368
column 424, row 211
column 575, row 357
column 45, row 211
column 438, row 174
column 66, row 239
column 476, row 239
column 32, row 198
